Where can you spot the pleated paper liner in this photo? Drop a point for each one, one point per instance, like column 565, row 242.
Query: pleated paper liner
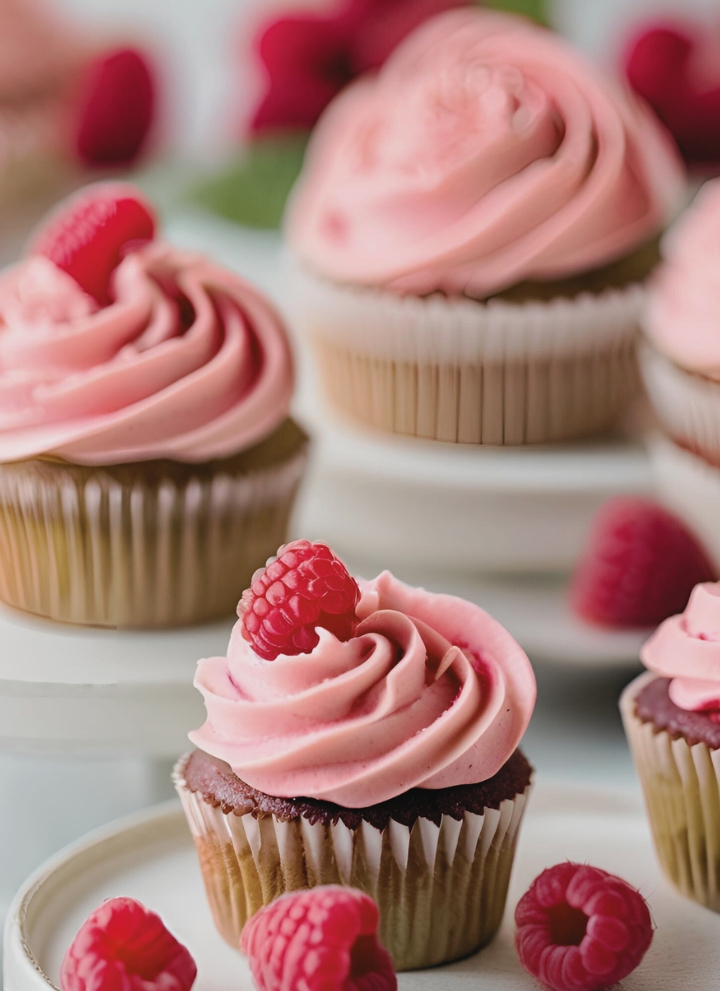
column 153, row 544
column 441, row 890
column 495, row 372
column 681, row 784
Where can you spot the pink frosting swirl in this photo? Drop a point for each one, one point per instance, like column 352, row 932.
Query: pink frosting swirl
column 682, row 317
column 189, row 363
column 686, row 648
column 486, row 152
column 431, row 692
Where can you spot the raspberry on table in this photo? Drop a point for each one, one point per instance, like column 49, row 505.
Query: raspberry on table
column 123, row 946
column 581, row 929
column 88, row 234
column 640, row 566
column 324, row 939
column 306, row 586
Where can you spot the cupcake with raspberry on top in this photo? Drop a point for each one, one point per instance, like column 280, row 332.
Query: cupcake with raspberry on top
column 361, row 733
column 148, row 464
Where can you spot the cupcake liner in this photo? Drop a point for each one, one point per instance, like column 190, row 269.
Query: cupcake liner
column 441, row 890
column 681, row 784
column 155, row 544
column 473, row 372
column 690, row 486
column 687, row 405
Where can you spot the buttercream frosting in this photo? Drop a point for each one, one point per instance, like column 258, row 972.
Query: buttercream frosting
column 485, row 153
column 683, row 314
column 189, row 362
column 431, row 692
column 686, row 648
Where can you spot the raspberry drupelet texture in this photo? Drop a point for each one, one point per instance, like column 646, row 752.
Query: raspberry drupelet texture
column 581, row 929
column 124, row 947
column 303, row 588
column 324, row 939
column 640, row 566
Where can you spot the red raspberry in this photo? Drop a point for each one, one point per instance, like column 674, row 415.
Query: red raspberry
column 88, row 234
column 304, row 587
column 125, row 947
column 324, row 939
column 640, row 566
column 116, row 109
column 581, row 929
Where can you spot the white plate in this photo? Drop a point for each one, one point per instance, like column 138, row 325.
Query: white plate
column 151, row 857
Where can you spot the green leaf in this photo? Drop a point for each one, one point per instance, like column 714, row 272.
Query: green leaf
column 254, row 188
column 537, row 9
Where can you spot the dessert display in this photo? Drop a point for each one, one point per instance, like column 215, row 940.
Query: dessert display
column 471, row 234
column 148, row 464
column 363, row 733
column 639, row 567
column 672, row 720
column 581, row 929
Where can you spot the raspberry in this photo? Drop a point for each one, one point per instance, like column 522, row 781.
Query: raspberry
column 581, row 929
column 304, row 587
column 324, row 939
column 640, row 566
column 115, row 110
column 125, row 947
column 88, row 234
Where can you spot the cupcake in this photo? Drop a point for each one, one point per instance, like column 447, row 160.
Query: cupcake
column 361, row 733
column 680, row 361
column 672, row 720
column 471, row 234
column 148, row 464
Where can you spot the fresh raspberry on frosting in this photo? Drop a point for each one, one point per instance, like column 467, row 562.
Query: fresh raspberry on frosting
column 324, row 939
column 303, row 588
column 581, row 929
column 124, row 946
column 639, row 567
column 88, row 234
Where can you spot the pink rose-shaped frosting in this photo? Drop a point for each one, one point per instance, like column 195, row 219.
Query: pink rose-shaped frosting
column 189, row 362
column 484, row 153
column 431, row 692
column 686, row 648
column 683, row 317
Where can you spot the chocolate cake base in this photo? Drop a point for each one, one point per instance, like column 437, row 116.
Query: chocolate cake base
column 654, row 705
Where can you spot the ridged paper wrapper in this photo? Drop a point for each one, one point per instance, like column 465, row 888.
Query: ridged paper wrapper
column 146, row 545
column 465, row 371
column 441, row 890
column 681, row 784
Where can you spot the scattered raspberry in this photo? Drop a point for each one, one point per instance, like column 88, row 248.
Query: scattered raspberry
column 88, row 234
column 124, row 947
column 639, row 567
column 304, row 587
column 581, row 929
column 324, row 939
column 116, row 109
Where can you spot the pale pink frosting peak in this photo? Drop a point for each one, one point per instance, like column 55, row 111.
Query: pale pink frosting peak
column 485, row 152
column 38, row 50
column 189, row 362
column 683, row 316
column 686, row 648
column 431, row 692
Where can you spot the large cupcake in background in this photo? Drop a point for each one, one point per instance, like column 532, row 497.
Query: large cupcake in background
column 361, row 733
column 681, row 366
column 148, row 464
column 672, row 720
column 472, row 230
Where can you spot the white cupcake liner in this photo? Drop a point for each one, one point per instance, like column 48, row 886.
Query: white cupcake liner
column 687, row 405
column 681, row 784
column 690, row 486
column 441, row 890
column 81, row 546
column 492, row 372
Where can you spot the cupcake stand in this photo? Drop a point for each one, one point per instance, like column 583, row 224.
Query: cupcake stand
column 90, row 720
